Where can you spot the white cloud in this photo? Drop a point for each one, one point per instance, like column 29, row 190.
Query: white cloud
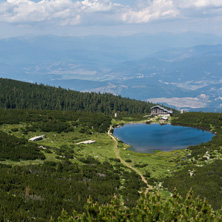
column 158, row 9
column 73, row 12
column 198, row 3
column 64, row 11
column 96, row 5
column 17, row 11
column 170, row 9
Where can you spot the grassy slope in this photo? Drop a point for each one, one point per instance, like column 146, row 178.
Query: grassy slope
column 157, row 164
column 102, row 149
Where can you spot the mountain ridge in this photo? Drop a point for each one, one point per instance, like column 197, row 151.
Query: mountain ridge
column 21, row 95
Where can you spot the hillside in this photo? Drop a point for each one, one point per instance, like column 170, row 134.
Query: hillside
column 60, row 172
column 39, row 179
column 20, row 95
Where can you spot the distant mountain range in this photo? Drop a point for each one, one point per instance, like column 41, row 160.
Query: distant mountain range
column 180, row 70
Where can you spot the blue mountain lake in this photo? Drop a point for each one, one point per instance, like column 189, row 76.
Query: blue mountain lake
column 146, row 138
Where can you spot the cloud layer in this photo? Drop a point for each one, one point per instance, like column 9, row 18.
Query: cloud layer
column 76, row 12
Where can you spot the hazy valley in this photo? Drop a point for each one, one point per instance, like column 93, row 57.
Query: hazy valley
column 184, row 73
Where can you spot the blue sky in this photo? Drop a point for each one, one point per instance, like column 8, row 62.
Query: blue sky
column 108, row 17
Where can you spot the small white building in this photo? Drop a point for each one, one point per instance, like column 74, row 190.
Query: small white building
column 164, row 118
column 86, row 142
column 36, row 138
column 183, row 111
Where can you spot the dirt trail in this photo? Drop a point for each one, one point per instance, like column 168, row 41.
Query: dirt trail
column 127, row 164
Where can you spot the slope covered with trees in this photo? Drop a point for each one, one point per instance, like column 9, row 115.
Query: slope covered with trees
column 15, row 149
column 37, row 192
column 39, row 179
column 20, row 95
column 203, row 170
column 55, row 121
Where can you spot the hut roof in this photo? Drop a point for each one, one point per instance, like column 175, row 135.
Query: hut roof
column 162, row 108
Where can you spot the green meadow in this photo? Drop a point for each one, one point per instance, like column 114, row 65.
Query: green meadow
column 56, row 145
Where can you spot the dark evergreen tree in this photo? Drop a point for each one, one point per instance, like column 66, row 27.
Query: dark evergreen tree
column 20, row 95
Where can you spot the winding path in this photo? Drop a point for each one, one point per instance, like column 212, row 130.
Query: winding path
column 125, row 163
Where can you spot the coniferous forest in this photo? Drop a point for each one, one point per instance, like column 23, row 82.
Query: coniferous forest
column 20, row 95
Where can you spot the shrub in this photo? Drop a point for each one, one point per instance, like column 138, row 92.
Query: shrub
column 150, row 207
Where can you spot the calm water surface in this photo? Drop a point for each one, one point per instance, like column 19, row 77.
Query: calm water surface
column 146, row 138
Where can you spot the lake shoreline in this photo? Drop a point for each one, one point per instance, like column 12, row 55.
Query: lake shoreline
column 156, row 138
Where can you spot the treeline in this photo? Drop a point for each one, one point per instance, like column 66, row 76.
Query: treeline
column 20, row 95
column 200, row 119
column 206, row 121
column 55, row 121
column 37, row 193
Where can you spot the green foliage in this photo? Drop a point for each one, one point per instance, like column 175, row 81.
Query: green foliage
column 206, row 121
column 133, row 184
column 147, row 174
column 37, row 192
column 55, row 126
column 150, row 207
column 140, row 165
column 115, row 159
column 55, row 121
column 206, row 182
column 203, row 171
column 21, row 95
column 13, row 148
